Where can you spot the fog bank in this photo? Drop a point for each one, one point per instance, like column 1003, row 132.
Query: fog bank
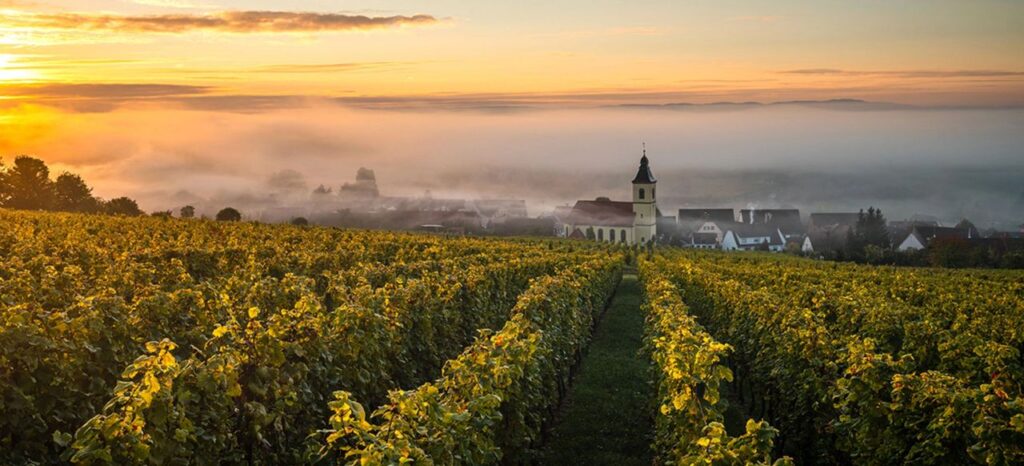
column 823, row 157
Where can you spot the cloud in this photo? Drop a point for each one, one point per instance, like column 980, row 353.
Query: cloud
column 104, row 97
column 330, row 67
column 907, row 73
column 227, row 21
column 94, row 98
column 243, row 103
column 88, row 90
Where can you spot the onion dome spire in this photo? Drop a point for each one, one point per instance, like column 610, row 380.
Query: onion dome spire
column 644, row 175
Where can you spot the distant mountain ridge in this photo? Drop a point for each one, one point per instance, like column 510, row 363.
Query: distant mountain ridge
column 838, row 104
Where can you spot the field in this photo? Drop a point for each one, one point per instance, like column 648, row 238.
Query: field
column 164, row 341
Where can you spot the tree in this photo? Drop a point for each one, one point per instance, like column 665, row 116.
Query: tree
column 229, row 214
column 123, row 206
column 27, row 185
column 5, row 192
column 71, row 194
column 187, row 212
column 161, row 214
column 871, row 230
column 300, row 221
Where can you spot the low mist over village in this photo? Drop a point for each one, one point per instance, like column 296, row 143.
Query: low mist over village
column 641, row 220
column 866, row 234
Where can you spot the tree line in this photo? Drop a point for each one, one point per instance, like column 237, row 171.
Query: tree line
column 869, row 242
column 26, row 185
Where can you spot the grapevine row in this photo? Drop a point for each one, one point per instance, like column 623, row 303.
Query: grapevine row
column 690, row 371
column 851, row 370
column 80, row 296
column 491, row 403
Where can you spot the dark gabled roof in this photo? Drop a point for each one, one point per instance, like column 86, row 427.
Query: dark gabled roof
column 722, row 215
column 926, row 234
column 769, row 215
column 829, row 239
column 602, row 212
column 746, row 230
column 790, row 228
column 644, row 175
column 826, row 219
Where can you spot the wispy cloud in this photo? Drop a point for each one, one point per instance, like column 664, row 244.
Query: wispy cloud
column 94, row 98
column 98, row 98
column 227, row 21
column 102, row 90
column 907, row 73
column 330, row 67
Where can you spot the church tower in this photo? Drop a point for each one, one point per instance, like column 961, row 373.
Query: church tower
column 645, row 210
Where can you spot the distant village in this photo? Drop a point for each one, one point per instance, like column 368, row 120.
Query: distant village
column 636, row 221
column 863, row 236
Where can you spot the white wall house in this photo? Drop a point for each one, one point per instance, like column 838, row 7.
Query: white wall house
column 745, row 237
column 807, row 246
column 920, row 236
column 911, row 243
column 712, row 228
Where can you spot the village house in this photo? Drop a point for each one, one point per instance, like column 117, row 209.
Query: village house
column 753, row 237
column 920, row 236
column 828, row 231
column 770, row 216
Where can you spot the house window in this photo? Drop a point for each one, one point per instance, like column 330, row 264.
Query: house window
column 623, row 235
column 600, row 234
column 611, row 235
column 641, row 193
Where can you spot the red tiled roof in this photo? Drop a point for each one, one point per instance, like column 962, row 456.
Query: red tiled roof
column 602, row 212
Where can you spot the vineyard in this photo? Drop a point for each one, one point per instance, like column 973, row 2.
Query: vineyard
column 852, row 364
column 149, row 340
column 164, row 341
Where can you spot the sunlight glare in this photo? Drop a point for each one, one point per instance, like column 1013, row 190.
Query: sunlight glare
column 11, row 71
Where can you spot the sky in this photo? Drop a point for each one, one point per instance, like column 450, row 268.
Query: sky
column 167, row 99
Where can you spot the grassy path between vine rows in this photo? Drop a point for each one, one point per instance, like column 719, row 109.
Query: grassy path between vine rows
column 605, row 419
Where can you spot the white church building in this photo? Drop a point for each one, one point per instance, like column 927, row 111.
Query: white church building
column 625, row 222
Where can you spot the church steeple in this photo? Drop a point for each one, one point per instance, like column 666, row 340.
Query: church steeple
column 645, row 209
column 644, row 175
